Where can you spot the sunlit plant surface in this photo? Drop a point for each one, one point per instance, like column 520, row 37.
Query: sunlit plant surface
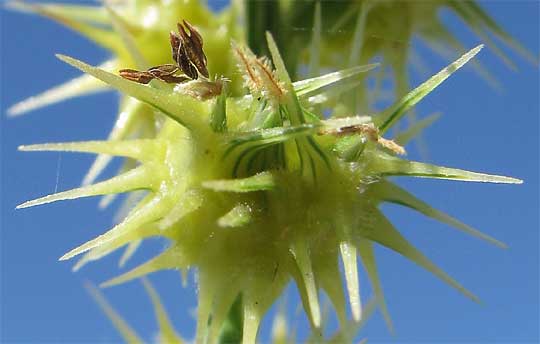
column 259, row 173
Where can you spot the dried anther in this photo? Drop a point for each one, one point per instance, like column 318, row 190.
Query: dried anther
column 371, row 132
column 187, row 53
column 187, row 50
column 164, row 72
column 137, row 76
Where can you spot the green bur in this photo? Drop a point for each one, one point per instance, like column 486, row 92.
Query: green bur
column 255, row 191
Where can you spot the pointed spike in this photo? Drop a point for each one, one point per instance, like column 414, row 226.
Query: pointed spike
column 280, row 330
column 150, row 212
column 444, row 43
column 127, row 333
column 301, row 255
column 103, row 37
column 259, row 182
column 238, row 216
column 271, row 136
column 192, row 201
column 99, row 164
column 415, row 129
column 120, row 26
column 348, row 256
column 277, row 59
column 167, row 332
column 134, row 200
column 328, row 276
column 165, row 101
column 170, row 259
column 222, row 302
column 315, row 46
column 206, row 293
column 358, row 36
column 252, row 320
column 91, row 14
column 314, row 86
column 290, row 99
column 137, row 149
column 384, row 233
column 365, row 248
column 347, row 332
column 92, row 255
column 138, row 178
column 394, row 113
column 492, row 25
column 80, row 86
column 130, row 117
column 470, row 18
column 106, row 200
column 103, row 250
column 392, row 166
column 390, row 192
column 129, row 252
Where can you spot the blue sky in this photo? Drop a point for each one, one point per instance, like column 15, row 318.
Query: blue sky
column 480, row 130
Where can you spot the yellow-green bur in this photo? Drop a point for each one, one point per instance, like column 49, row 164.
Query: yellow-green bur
column 277, row 224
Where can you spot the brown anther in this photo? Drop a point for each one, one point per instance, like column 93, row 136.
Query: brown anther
column 175, row 44
column 187, row 53
column 137, row 76
column 163, row 70
column 185, row 63
column 192, row 45
column 166, row 73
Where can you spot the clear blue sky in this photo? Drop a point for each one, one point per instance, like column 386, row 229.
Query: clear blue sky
column 481, row 130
